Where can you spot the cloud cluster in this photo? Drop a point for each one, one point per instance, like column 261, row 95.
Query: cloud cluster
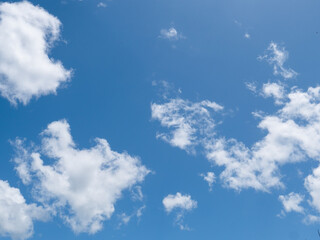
column 16, row 218
column 27, row 33
column 292, row 134
column 82, row 185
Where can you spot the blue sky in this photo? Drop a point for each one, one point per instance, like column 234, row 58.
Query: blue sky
column 159, row 119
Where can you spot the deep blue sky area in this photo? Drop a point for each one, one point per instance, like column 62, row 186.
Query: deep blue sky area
column 117, row 54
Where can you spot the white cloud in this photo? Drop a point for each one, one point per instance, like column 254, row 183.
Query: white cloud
column 277, row 56
column 82, row 185
column 171, row 34
column 178, row 201
column 274, row 90
column 180, row 116
column 210, row 178
column 27, row 33
column 16, row 218
column 291, row 202
column 247, row 36
column 181, row 203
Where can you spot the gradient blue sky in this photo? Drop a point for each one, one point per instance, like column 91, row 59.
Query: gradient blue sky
column 120, row 61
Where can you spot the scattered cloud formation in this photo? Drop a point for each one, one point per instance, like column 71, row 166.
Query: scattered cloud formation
column 188, row 121
column 210, row 178
column 16, row 218
column 170, row 34
column 82, row 185
column 276, row 56
column 291, row 135
column 291, row 202
column 181, row 203
column 27, row 33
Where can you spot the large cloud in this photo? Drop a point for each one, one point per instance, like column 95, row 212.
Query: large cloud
column 27, row 33
column 81, row 184
column 16, row 218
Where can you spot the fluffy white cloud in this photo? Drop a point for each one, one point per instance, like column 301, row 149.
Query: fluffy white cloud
column 170, row 34
column 274, row 90
column 82, row 185
column 27, row 33
column 277, row 56
column 16, row 218
column 291, row 202
column 210, row 178
column 178, row 201
column 181, row 203
column 187, row 120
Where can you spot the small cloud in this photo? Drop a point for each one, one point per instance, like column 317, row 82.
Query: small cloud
column 274, row 90
column 171, row 34
column 181, row 203
column 101, row 5
column 291, row 203
column 247, row 36
column 210, row 178
column 251, row 86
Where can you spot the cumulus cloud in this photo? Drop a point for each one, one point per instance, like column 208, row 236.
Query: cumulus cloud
column 181, row 203
column 291, row 202
column 27, row 33
column 170, row 34
column 187, row 120
column 210, row 178
column 82, row 185
column 16, row 218
column 277, row 56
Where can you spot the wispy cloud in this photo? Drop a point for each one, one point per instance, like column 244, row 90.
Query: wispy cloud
column 171, row 34
column 277, row 56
